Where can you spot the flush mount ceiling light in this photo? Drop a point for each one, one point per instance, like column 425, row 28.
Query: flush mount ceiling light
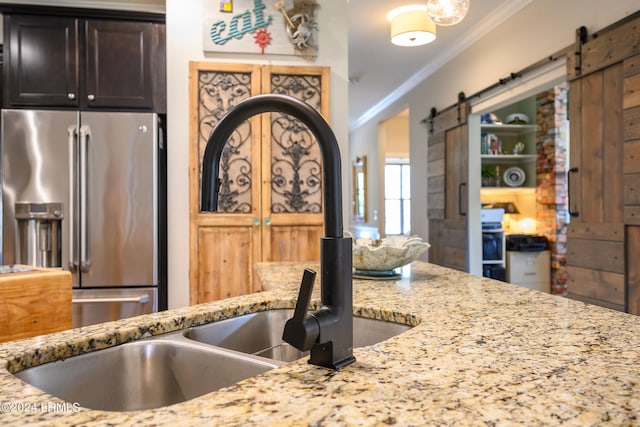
column 447, row 12
column 411, row 26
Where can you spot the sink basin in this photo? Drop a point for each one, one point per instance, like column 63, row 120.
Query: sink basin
column 261, row 334
column 143, row 374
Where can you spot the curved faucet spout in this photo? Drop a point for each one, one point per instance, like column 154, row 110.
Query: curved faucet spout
column 328, row 332
column 302, row 111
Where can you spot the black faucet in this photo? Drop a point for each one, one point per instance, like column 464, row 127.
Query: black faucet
column 327, row 332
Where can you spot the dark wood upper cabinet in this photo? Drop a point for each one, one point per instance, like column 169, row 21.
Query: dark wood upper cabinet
column 118, row 65
column 57, row 61
column 41, row 61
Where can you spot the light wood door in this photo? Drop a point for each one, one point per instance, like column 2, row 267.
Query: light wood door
column 447, row 189
column 225, row 244
column 602, row 246
column 292, row 209
column 270, row 202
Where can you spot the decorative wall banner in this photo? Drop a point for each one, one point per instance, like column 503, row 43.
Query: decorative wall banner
column 261, row 26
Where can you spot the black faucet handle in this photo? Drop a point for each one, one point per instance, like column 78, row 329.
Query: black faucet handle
column 301, row 331
column 304, row 295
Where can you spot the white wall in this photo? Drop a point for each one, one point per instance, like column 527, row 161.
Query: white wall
column 538, row 30
column 184, row 44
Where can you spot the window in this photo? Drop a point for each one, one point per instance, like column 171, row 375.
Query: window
column 397, row 197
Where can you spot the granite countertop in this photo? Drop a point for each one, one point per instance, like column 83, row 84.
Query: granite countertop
column 483, row 353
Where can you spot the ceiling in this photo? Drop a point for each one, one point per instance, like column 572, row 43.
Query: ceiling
column 379, row 72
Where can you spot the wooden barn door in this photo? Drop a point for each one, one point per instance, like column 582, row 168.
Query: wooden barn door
column 603, row 245
column 447, row 188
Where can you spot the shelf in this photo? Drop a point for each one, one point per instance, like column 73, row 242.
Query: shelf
column 531, row 190
column 508, row 158
column 510, row 129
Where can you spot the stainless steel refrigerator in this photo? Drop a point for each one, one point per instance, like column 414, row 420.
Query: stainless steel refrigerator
column 82, row 191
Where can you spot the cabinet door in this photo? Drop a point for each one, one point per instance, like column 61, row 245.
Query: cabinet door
column 42, row 61
column 118, row 70
column 447, row 189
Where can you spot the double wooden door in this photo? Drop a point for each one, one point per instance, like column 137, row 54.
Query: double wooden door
column 447, row 188
column 270, row 202
column 603, row 246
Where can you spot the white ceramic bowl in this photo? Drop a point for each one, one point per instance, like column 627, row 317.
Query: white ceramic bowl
column 387, row 253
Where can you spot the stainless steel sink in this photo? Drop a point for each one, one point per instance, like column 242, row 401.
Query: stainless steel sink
column 144, row 374
column 179, row 366
column 261, row 334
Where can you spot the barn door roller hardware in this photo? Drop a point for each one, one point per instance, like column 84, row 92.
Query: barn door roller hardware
column 581, row 38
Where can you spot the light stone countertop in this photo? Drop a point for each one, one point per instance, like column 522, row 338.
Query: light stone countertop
column 483, row 353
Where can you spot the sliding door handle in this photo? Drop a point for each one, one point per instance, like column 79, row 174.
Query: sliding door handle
column 572, row 170
column 460, row 211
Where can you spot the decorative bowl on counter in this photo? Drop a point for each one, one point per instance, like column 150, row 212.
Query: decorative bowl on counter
column 379, row 257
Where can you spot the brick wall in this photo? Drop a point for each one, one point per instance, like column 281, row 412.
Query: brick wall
column 551, row 194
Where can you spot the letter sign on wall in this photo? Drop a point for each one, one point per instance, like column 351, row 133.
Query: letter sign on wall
column 285, row 27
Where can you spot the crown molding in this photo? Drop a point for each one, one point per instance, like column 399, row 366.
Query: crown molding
column 502, row 13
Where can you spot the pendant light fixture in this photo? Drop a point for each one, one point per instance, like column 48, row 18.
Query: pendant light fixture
column 411, row 26
column 447, row 12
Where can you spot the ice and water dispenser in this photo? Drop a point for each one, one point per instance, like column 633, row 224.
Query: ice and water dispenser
column 39, row 239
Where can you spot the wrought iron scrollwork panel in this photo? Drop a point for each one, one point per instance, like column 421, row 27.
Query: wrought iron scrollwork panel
column 218, row 92
column 296, row 167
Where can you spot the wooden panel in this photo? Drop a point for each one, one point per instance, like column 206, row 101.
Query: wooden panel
column 455, row 234
column 591, row 157
column 436, row 251
column 596, row 254
column 596, row 231
column 631, row 120
column 632, row 189
column 295, row 243
column 435, row 184
column 631, row 160
column 225, row 263
column 598, row 286
column 575, row 146
column 632, row 215
column 631, row 66
column 34, row 303
column 633, row 269
column 435, row 152
column 613, row 146
column 456, row 171
column 614, row 46
column 436, row 168
column 454, row 258
column 631, row 91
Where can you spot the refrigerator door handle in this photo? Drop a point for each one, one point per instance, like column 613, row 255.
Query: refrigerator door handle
column 85, row 136
column 72, row 135
column 142, row 299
